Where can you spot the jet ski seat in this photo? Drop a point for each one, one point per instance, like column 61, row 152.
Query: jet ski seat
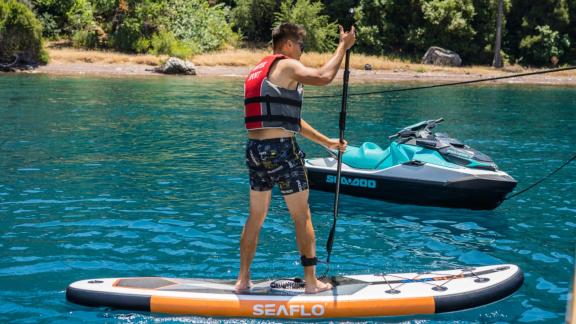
column 368, row 156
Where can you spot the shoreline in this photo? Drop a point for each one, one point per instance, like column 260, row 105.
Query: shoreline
column 356, row 75
column 236, row 63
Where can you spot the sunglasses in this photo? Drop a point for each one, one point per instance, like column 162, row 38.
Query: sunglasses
column 301, row 43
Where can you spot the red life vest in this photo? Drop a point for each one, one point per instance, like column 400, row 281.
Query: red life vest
column 267, row 105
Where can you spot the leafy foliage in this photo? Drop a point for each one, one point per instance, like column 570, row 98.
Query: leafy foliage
column 253, row 18
column 126, row 35
column 388, row 26
column 135, row 25
column 534, row 32
column 541, row 29
column 481, row 48
column 80, row 16
column 321, row 34
column 339, row 10
column 412, row 27
column 165, row 42
column 197, row 22
column 546, row 46
column 53, row 15
column 20, row 33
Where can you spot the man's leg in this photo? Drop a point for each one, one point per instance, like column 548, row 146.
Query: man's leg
column 298, row 206
column 259, row 203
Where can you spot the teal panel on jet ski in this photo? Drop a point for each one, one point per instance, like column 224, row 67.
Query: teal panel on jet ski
column 397, row 156
column 475, row 164
column 368, row 156
column 425, row 155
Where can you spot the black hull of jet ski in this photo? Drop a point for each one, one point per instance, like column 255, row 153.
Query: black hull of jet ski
column 478, row 192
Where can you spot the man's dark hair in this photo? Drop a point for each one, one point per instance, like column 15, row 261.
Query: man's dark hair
column 286, row 31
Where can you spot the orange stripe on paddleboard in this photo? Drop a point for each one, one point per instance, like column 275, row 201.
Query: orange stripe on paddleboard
column 292, row 309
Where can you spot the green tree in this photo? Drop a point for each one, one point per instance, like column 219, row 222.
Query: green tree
column 545, row 47
column 338, row 10
column 571, row 54
column 253, row 18
column 135, row 24
column 104, row 9
column 321, row 34
column 20, row 33
column 164, row 42
column 83, row 27
column 53, row 15
column 448, row 23
column 390, row 27
column 196, row 22
column 537, row 28
column 80, row 16
column 409, row 28
column 498, row 62
column 481, row 48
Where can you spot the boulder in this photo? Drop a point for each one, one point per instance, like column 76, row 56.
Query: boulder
column 440, row 56
column 21, row 62
column 175, row 65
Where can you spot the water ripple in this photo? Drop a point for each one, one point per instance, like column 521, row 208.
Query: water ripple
column 111, row 177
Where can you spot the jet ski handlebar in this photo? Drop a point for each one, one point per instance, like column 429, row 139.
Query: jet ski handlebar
column 414, row 129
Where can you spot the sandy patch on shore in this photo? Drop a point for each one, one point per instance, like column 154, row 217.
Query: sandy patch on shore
column 236, row 63
column 128, row 70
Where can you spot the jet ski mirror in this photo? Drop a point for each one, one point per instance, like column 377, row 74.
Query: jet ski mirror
column 432, row 123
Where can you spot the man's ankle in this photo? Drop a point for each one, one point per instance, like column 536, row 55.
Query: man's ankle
column 310, row 277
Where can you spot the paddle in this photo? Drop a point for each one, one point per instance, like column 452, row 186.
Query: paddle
column 342, row 127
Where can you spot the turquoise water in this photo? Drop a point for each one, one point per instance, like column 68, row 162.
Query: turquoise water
column 109, row 177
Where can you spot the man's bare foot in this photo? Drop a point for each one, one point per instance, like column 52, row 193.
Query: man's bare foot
column 318, row 287
column 243, row 285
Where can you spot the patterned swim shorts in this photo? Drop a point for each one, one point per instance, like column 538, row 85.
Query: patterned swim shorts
column 276, row 161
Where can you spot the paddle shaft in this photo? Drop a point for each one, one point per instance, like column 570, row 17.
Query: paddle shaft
column 342, row 127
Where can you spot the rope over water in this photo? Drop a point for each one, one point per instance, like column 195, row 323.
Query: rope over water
column 541, row 180
column 370, row 93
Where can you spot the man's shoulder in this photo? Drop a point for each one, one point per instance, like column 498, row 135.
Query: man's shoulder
column 287, row 62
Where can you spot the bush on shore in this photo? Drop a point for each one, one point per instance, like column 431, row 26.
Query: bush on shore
column 321, row 34
column 20, row 34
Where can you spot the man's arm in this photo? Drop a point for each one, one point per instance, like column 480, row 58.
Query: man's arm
column 315, row 136
column 325, row 74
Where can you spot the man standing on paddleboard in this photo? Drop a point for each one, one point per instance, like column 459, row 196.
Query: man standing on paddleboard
column 273, row 101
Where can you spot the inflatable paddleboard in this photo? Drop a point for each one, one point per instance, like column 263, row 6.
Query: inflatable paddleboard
column 353, row 296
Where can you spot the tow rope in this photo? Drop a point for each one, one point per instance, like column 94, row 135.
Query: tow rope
column 370, row 93
column 542, row 180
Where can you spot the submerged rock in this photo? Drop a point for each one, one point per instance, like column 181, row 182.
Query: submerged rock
column 175, row 65
column 439, row 56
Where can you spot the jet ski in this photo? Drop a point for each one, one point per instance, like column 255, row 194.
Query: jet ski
column 419, row 168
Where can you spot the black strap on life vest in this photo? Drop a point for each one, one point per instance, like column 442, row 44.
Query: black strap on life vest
column 269, row 117
column 279, row 100
column 279, row 118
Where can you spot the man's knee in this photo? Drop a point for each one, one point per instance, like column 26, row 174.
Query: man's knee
column 301, row 217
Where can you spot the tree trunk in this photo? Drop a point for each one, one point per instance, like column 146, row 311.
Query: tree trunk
column 497, row 63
